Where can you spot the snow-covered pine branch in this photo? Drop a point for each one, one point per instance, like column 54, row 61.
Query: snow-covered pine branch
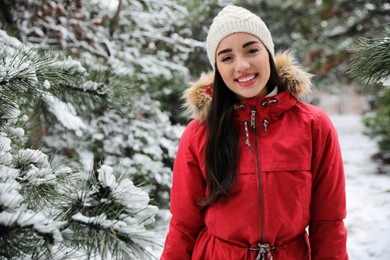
column 48, row 203
column 371, row 61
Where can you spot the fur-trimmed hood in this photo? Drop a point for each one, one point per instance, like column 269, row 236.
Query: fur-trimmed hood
column 198, row 96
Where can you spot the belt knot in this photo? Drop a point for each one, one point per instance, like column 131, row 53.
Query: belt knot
column 264, row 251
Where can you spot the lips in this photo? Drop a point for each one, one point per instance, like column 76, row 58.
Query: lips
column 247, row 79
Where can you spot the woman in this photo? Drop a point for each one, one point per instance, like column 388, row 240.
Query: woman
column 256, row 166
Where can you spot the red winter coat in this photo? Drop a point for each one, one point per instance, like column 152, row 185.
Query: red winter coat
column 290, row 177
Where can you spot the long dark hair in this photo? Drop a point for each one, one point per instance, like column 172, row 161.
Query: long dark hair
column 222, row 141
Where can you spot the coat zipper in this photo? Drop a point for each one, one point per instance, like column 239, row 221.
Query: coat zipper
column 259, row 183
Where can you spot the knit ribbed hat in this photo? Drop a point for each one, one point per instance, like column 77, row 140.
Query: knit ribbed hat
column 234, row 19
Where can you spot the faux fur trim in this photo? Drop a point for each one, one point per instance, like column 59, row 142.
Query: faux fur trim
column 198, row 96
column 294, row 78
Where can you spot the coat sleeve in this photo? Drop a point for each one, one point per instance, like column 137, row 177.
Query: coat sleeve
column 188, row 188
column 327, row 232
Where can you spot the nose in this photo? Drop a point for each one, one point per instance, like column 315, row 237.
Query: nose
column 242, row 64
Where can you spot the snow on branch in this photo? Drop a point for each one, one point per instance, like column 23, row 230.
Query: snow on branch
column 371, row 61
column 115, row 208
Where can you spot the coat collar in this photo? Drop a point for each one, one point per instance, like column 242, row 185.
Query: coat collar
column 269, row 108
column 297, row 81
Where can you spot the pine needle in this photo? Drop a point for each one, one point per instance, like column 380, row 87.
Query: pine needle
column 371, row 62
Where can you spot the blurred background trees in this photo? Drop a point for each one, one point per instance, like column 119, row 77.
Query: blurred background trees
column 371, row 64
column 98, row 84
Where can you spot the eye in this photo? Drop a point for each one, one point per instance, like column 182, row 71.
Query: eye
column 225, row 59
column 252, row 51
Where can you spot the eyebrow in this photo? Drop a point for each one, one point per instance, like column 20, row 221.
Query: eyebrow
column 248, row 44
column 243, row 46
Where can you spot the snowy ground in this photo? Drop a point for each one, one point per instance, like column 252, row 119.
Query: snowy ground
column 368, row 194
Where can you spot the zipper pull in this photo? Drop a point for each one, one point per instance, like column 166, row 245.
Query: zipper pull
column 247, row 142
column 265, row 124
column 253, row 117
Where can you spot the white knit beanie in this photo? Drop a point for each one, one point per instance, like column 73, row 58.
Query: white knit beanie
column 234, row 19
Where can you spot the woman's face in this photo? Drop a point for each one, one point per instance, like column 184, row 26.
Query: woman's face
column 243, row 62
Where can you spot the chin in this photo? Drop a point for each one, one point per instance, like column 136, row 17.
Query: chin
column 241, row 97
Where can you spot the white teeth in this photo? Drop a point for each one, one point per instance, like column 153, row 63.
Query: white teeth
column 246, row 79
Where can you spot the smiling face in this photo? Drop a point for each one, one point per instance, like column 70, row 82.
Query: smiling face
column 243, row 62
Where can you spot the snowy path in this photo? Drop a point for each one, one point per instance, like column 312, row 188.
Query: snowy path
column 368, row 193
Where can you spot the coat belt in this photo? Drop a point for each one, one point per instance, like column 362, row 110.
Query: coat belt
column 265, row 250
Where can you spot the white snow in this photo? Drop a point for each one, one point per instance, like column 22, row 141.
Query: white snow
column 25, row 118
column 40, row 176
column 5, row 144
column 24, row 217
column 8, row 174
column 131, row 196
column 25, row 70
column 13, row 114
column 91, row 86
column 46, row 84
column 106, row 177
column 9, row 196
column 137, row 214
column 386, row 82
column 368, row 193
column 29, row 156
column 124, row 191
column 65, row 113
column 111, row 5
column 16, row 131
column 5, row 158
column 73, row 66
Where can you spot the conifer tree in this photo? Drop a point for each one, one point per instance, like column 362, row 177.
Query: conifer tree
column 51, row 207
column 371, row 64
column 136, row 47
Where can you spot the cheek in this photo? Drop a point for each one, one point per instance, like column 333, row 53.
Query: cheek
column 225, row 74
column 266, row 70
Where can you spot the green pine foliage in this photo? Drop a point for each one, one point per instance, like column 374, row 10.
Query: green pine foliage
column 103, row 93
column 371, row 64
column 51, row 206
column 137, row 49
column 378, row 121
column 372, row 58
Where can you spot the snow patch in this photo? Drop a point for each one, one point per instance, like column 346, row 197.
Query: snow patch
column 65, row 113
